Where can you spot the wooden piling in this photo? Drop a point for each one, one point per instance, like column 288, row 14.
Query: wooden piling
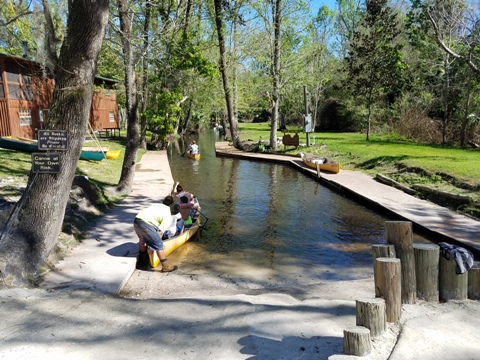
column 400, row 234
column 426, row 270
column 356, row 341
column 371, row 314
column 452, row 286
column 473, row 291
column 388, row 284
column 383, row 250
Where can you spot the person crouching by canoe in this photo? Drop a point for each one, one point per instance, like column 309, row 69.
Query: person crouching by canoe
column 193, row 148
column 150, row 225
column 188, row 210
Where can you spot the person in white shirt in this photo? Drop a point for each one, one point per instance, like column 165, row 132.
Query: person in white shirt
column 193, row 149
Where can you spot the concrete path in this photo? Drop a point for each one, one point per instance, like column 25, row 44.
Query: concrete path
column 73, row 315
column 106, row 258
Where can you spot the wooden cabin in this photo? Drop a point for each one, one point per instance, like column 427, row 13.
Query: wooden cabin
column 26, row 89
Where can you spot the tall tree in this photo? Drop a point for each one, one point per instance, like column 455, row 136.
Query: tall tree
column 277, row 21
column 348, row 18
column 144, row 97
column 374, row 57
column 130, row 160
column 450, row 24
column 446, row 15
column 28, row 238
column 223, row 70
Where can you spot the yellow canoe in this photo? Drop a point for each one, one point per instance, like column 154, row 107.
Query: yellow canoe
column 323, row 163
column 113, row 154
column 174, row 243
column 193, row 156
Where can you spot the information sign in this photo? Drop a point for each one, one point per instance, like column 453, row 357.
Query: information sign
column 52, row 140
column 46, row 162
column 308, row 123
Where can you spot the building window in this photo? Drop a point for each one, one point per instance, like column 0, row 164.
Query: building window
column 19, row 82
column 111, row 116
column 43, row 116
column 25, row 117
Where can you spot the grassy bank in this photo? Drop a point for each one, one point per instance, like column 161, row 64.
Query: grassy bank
column 449, row 169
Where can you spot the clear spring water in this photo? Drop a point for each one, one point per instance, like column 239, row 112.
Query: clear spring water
column 271, row 216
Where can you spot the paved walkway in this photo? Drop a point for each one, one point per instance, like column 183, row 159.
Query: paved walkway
column 106, row 258
column 438, row 222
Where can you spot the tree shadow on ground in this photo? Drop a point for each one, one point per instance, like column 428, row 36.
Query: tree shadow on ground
column 293, row 347
column 381, row 160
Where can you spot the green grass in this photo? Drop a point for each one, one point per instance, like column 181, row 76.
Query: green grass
column 15, row 166
column 16, row 163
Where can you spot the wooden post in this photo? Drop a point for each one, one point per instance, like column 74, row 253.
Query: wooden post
column 452, row 286
column 474, row 281
column 383, row 250
column 388, row 281
column 400, row 234
column 426, row 270
column 356, row 341
column 371, row 314
column 319, row 175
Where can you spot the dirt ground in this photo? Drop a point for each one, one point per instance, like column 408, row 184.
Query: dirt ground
column 426, row 331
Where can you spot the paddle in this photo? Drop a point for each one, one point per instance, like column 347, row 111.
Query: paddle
column 206, row 219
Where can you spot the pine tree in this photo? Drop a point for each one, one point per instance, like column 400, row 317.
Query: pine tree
column 374, row 61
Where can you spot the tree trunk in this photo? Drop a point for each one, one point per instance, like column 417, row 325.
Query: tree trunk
column 369, row 116
column 223, row 70
column 28, row 239
column 277, row 20
column 446, row 91
column 144, row 101
column 130, row 160
column 465, row 121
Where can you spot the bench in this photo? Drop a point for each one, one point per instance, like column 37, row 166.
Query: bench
column 109, row 132
column 289, row 140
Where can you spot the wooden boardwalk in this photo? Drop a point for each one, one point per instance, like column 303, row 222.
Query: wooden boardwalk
column 438, row 223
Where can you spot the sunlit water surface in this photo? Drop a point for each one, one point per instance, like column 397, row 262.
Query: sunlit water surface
column 273, row 217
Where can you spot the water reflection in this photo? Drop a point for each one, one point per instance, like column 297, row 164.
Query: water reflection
column 270, row 216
